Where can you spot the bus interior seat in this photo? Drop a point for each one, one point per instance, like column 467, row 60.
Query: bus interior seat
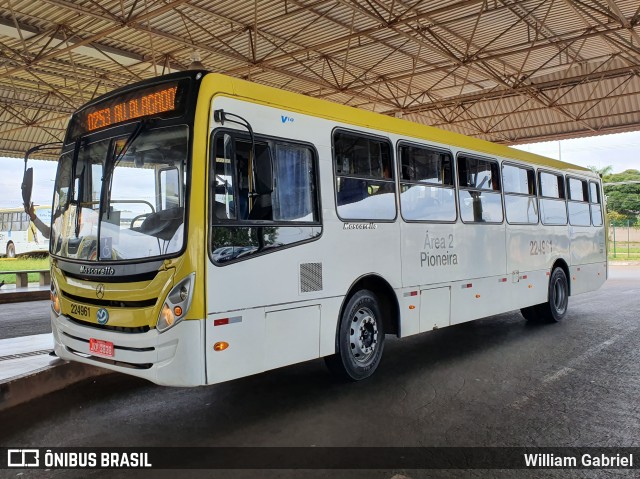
column 163, row 224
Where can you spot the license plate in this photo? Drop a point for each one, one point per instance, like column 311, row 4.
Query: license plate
column 104, row 348
column 80, row 310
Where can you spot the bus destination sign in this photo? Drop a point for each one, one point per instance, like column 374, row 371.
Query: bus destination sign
column 151, row 101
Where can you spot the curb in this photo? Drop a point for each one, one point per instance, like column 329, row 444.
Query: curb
column 57, row 375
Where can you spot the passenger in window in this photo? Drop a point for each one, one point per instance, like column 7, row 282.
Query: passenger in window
column 386, row 187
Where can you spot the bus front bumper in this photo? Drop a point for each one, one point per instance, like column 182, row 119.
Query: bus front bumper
column 172, row 358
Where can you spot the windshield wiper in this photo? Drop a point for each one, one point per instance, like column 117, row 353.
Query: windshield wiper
column 107, row 176
column 132, row 137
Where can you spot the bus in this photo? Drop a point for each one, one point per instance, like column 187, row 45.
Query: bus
column 19, row 235
column 206, row 228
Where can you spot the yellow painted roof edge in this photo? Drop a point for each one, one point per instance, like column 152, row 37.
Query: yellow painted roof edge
column 290, row 101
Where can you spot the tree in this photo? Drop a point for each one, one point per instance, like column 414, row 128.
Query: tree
column 624, row 200
column 604, row 171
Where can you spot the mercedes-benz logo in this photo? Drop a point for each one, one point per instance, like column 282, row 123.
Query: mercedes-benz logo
column 100, row 291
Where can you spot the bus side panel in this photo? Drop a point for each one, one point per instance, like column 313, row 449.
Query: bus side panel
column 531, row 252
column 291, row 335
column 440, row 253
column 587, row 277
column 244, row 332
column 535, row 247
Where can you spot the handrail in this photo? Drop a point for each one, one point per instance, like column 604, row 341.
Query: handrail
column 22, row 277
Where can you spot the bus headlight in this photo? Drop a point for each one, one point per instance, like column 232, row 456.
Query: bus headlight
column 177, row 304
column 55, row 299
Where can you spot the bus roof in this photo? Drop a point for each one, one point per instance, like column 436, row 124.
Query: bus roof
column 269, row 96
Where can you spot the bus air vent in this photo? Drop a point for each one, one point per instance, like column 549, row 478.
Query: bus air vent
column 310, row 277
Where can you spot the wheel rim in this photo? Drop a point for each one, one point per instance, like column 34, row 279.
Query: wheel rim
column 363, row 335
column 559, row 296
column 11, row 251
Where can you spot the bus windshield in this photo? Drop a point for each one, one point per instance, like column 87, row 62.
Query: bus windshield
column 122, row 198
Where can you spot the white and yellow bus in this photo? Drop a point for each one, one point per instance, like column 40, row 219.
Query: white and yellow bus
column 19, row 235
column 207, row 228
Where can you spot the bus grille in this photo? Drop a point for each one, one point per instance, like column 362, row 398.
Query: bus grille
column 109, row 303
column 310, row 277
column 106, row 327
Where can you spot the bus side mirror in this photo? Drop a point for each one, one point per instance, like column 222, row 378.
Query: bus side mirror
column 27, row 187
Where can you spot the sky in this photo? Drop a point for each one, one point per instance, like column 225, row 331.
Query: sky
column 621, row 150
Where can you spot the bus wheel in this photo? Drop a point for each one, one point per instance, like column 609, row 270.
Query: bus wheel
column 11, row 250
column 555, row 309
column 360, row 338
column 531, row 313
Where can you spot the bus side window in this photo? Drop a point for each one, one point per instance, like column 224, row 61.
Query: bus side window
column 262, row 204
column 595, row 201
column 520, row 202
column 479, row 196
column 427, row 192
column 365, row 185
column 553, row 208
column 578, row 204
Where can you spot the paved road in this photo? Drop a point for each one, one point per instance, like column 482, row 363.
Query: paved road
column 24, row 319
column 498, row 381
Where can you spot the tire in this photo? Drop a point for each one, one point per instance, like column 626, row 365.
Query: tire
column 11, row 250
column 359, row 339
column 554, row 310
column 531, row 313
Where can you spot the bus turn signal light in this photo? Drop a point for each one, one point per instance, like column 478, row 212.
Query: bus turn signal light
column 177, row 310
column 55, row 300
column 220, row 346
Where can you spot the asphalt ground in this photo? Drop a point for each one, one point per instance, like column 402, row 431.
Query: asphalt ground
column 24, row 319
column 498, row 381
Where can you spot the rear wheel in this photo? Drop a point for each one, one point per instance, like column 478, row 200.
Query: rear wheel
column 360, row 338
column 11, row 250
column 555, row 309
column 530, row 313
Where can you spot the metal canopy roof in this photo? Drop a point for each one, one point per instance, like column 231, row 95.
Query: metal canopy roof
column 510, row 71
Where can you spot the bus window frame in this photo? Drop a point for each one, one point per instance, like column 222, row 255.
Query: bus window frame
column 459, row 188
column 523, row 166
column 212, row 221
column 563, row 182
column 400, row 144
column 584, row 182
column 393, row 170
column 599, row 202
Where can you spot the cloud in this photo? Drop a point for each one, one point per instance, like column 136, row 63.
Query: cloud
column 11, row 171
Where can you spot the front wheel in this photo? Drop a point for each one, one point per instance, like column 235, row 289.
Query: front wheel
column 359, row 339
column 555, row 309
column 11, row 250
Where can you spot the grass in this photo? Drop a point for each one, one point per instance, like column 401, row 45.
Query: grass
column 24, row 263
column 625, row 251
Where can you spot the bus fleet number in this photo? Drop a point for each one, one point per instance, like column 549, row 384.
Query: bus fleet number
column 540, row 247
column 83, row 311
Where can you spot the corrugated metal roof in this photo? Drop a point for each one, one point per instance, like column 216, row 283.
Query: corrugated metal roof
column 510, row 71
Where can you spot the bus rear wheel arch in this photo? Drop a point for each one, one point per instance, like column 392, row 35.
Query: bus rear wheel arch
column 555, row 309
column 11, row 250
